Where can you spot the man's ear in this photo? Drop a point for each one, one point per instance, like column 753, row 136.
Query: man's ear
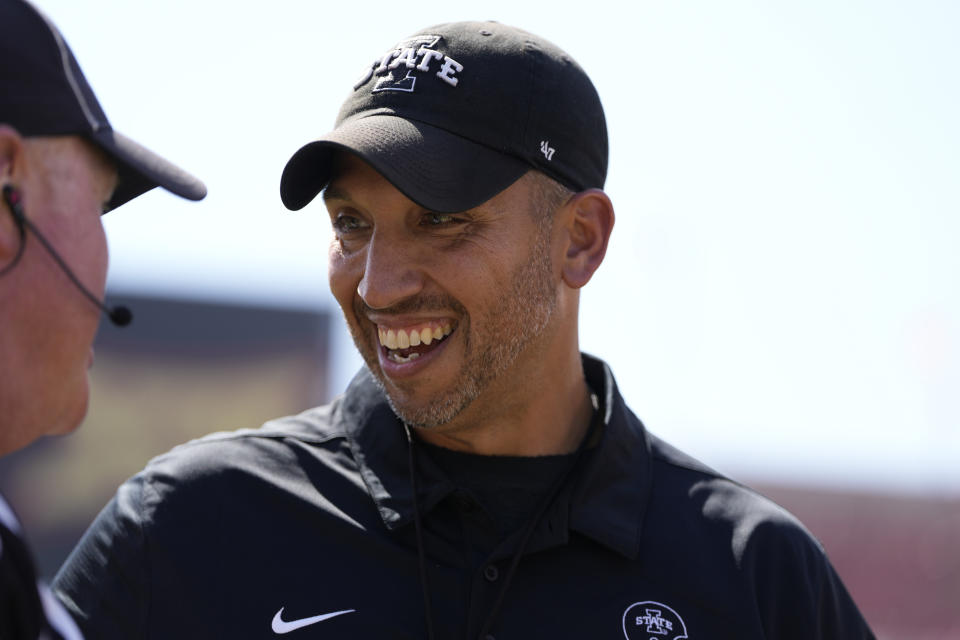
column 588, row 221
column 12, row 159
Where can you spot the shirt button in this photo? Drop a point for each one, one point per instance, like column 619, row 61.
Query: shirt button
column 488, row 637
column 491, row 573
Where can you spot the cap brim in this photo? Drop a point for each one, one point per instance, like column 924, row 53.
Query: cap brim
column 434, row 168
column 140, row 170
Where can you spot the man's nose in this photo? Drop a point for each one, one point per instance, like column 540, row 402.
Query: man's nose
column 391, row 274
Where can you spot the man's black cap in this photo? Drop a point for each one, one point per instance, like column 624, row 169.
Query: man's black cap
column 457, row 113
column 43, row 93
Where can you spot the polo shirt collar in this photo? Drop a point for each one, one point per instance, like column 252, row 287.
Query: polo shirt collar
column 610, row 487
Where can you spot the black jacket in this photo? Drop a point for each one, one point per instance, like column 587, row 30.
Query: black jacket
column 27, row 609
column 238, row 535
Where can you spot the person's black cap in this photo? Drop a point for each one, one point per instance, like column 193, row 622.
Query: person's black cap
column 457, row 113
column 43, row 93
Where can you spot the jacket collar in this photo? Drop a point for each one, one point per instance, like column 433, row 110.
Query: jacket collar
column 610, row 487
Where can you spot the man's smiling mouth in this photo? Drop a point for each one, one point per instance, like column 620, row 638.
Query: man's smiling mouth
column 409, row 343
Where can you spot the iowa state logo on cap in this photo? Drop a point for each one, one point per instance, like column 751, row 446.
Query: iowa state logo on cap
column 651, row 620
column 399, row 67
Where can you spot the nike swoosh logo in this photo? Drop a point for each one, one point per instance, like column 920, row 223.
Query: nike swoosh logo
column 280, row 626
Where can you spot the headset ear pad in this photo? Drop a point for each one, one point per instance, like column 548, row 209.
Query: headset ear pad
column 12, row 197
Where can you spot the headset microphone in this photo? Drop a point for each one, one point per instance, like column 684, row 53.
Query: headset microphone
column 120, row 316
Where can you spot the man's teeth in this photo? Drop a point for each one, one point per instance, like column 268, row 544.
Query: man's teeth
column 396, row 357
column 402, row 339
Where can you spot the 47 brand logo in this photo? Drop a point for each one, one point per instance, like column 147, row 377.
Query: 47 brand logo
column 546, row 149
column 400, row 67
column 651, row 620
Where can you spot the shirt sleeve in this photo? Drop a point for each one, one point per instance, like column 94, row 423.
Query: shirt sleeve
column 104, row 582
column 798, row 594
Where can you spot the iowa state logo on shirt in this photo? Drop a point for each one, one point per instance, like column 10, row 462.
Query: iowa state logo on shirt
column 651, row 620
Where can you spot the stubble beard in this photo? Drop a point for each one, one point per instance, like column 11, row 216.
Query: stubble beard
column 492, row 345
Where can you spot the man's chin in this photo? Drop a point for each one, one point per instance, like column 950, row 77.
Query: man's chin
column 75, row 410
column 436, row 412
column 421, row 413
column 72, row 421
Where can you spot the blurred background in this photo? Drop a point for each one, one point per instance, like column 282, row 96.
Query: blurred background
column 780, row 297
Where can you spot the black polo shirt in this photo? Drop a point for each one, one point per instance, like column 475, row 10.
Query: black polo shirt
column 304, row 527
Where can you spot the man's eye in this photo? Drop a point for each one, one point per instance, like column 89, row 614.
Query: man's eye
column 438, row 219
column 347, row 223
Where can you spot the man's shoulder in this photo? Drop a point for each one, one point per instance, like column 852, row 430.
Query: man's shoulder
column 301, row 463
column 277, row 449
column 739, row 548
column 315, row 427
column 741, row 518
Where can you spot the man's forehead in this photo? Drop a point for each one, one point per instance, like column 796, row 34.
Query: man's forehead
column 103, row 168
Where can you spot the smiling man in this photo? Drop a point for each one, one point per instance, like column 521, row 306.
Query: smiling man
column 480, row 478
column 461, row 316
column 61, row 167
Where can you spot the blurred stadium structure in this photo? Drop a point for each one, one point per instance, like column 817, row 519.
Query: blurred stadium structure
column 187, row 368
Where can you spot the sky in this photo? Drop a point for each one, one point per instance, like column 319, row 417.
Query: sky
column 780, row 296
